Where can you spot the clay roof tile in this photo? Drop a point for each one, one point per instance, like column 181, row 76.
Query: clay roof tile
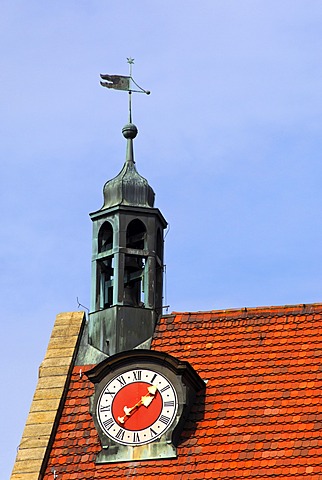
column 260, row 417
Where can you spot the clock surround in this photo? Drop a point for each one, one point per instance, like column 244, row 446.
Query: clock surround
column 141, row 400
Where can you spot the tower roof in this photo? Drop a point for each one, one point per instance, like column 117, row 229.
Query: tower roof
column 128, row 187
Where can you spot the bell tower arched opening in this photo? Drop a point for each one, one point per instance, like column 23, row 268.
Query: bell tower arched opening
column 105, row 267
column 135, row 262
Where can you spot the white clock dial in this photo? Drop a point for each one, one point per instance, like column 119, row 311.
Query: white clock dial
column 137, row 406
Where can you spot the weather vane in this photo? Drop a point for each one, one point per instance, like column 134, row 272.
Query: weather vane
column 123, row 82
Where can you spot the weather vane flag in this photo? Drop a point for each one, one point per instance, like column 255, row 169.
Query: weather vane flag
column 123, row 82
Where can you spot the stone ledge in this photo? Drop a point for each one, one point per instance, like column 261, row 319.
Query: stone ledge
column 39, row 418
column 53, row 371
column 46, row 393
column 59, row 352
column 44, row 405
column 32, row 453
column 23, row 476
column 34, row 442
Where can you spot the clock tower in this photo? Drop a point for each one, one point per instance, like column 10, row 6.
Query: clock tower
column 127, row 263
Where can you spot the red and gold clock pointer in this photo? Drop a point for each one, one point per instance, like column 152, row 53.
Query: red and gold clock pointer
column 145, row 400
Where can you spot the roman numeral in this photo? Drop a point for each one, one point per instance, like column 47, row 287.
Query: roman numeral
column 108, row 424
column 137, row 374
column 105, row 408
column 169, row 403
column 121, row 380
column 164, row 388
column 153, row 378
column 164, row 419
column 120, row 434
column 153, row 433
column 136, row 437
column 107, row 392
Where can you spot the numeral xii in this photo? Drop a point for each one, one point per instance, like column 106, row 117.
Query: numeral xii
column 137, row 374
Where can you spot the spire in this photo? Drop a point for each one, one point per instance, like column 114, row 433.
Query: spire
column 128, row 187
column 127, row 260
column 129, row 131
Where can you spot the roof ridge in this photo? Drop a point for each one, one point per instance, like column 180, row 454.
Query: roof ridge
column 306, row 308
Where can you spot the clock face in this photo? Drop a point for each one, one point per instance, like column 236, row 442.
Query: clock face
column 137, row 406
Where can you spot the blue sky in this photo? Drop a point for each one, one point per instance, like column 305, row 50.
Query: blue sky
column 230, row 140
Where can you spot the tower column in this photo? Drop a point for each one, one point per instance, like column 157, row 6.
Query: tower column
column 149, row 282
column 119, row 263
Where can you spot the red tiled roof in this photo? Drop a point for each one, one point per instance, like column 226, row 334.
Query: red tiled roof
column 259, row 418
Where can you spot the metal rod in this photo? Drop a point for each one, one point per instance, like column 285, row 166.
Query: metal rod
column 130, row 106
column 130, row 61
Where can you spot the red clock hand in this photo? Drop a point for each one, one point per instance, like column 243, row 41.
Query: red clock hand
column 145, row 400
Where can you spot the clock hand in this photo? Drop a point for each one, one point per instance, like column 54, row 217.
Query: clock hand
column 152, row 389
column 145, row 400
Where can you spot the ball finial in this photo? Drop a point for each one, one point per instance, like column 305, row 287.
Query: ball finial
column 129, row 131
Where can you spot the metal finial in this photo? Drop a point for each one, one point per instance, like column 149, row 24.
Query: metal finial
column 130, row 61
